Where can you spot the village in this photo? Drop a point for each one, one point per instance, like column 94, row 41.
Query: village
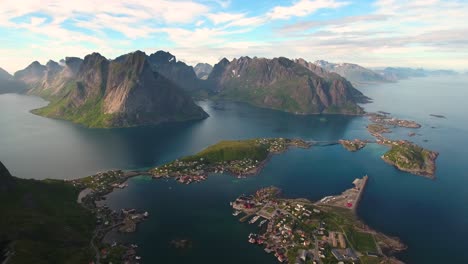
column 188, row 170
column 93, row 191
column 385, row 119
column 299, row 231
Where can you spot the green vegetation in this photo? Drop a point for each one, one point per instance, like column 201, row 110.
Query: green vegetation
column 44, row 223
column 231, row 150
column 412, row 158
column 89, row 114
column 361, row 241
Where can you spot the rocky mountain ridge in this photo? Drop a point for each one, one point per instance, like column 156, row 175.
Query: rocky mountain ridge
column 283, row 84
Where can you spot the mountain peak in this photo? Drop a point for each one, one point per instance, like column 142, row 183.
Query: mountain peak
column 162, row 57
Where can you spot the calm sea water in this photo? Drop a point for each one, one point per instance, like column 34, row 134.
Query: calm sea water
column 430, row 216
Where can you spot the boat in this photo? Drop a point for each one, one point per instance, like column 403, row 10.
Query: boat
column 236, row 213
column 262, row 222
column 254, row 219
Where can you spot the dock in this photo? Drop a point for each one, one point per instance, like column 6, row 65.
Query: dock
column 350, row 198
column 362, row 185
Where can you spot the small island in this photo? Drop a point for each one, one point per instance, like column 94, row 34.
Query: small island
column 237, row 157
column 328, row 231
column 412, row 158
column 438, row 116
column 353, row 145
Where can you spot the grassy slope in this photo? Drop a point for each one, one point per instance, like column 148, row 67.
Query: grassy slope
column 45, row 223
column 90, row 114
column 408, row 156
column 231, row 150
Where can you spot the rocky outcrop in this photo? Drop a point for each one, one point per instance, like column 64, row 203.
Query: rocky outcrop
column 119, row 93
column 203, row 70
column 285, row 85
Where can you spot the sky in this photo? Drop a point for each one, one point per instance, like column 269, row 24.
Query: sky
column 373, row 33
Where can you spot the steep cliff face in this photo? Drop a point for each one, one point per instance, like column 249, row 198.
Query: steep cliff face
column 356, row 74
column 285, row 85
column 119, row 93
column 203, row 70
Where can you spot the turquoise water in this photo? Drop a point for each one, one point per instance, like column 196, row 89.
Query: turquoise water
column 430, row 216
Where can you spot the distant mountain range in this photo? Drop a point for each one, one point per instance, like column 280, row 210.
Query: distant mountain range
column 359, row 75
column 354, row 73
column 139, row 89
column 399, row 73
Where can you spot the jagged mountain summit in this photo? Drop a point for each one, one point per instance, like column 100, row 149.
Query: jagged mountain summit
column 203, row 70
column 177, row 71
column 123, row 92
column 286, row 85
column 354, row 73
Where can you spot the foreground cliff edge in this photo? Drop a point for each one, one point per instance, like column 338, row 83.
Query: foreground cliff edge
column 328, row 231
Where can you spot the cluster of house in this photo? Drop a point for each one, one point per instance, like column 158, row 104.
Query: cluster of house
column 102, row 182
column 386, row 120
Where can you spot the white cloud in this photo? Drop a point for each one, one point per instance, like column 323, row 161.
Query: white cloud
column 303, row 8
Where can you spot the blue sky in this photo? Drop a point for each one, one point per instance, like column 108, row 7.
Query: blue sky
column 429, row 33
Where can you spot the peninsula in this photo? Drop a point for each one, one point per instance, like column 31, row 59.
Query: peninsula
column 328, row 231
column 238, row 157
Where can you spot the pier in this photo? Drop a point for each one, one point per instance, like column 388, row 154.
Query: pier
column 350, row 198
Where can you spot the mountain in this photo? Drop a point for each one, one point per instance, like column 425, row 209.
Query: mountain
column 203, row 70
column 42, row 222
column 58, row 78
column 399, row 73
column 119, row 93
column 31, row 75
column 354, row 73
column 180, row 73
column 9, row 85
column 285, row 85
